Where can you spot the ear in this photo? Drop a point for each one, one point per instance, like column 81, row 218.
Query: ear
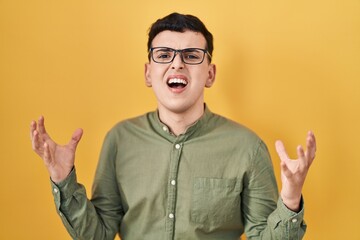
column 147, row 75
column 211, row 78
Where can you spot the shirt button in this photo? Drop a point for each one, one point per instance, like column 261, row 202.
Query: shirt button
column 171, row 215
column 177, row 146
column 173, row 182
column 294, row 220
column 165, row 128
column 56, row 190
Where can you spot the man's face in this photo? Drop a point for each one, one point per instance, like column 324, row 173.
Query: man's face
column 179, row 87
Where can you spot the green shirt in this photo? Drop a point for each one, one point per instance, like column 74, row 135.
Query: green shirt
column 215, row 181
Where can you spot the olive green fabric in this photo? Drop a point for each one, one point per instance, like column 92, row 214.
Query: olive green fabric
column 215, row 181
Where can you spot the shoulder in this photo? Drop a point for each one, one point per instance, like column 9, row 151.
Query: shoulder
column 138, row 121
column 132, row 125
column 245, row 139
column 228, row 127
column 237, row 136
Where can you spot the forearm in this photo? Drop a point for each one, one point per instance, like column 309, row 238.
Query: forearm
column 265, row 214
column 79, row 215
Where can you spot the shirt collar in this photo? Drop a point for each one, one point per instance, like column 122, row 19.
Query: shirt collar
column 197, row 127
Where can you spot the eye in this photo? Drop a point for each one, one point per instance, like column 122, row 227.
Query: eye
column 192, row 55
column 163, row 54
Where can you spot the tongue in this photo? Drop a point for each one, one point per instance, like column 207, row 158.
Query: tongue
column 177, row 85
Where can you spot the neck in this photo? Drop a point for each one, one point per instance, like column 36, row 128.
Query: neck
column 180, row 122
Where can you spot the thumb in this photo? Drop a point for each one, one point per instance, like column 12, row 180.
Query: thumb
column 76, row 137
column 285, row 170
column 280, row 149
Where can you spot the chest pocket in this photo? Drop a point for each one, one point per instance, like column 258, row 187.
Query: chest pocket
column 216, row 203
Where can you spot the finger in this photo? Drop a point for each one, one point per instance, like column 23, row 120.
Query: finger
column 42, row 130
column 76, row 137
column 47, row 156
column 300, row 152
column 285, row 170
column 34, row 140
column 32, row 129
column 280, row 149
column 311, row 146
column 41, row 122
column 303, row 161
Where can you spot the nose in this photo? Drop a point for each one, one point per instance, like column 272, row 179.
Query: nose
column 177, row 63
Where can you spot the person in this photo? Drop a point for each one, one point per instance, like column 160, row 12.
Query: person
column 181, row 171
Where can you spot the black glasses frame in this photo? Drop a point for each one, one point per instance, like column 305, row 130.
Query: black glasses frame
column 180, row 51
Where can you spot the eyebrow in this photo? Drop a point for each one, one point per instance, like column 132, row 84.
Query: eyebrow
column 164, row 49
column 172, row 49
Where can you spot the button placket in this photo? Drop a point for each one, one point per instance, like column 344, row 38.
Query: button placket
column 172, row 187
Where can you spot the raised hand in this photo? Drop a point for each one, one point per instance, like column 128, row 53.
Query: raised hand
column 294, row 171
column 59, row 160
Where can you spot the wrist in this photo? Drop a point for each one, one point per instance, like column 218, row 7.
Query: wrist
column 292, row 203
column 59, row 177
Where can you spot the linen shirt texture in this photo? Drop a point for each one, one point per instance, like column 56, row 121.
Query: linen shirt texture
column 215, row 181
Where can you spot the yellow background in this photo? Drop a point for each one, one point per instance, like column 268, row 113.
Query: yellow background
column 284, row 67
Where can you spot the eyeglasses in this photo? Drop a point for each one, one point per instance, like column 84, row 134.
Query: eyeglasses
column 191, row 56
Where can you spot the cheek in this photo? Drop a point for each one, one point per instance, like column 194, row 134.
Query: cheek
column 200, row 75
column 158, row 73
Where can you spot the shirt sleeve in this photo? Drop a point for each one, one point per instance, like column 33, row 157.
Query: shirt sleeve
column 98, row 218
column 264, row 214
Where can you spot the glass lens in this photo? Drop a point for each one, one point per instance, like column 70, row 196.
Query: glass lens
column 192, row 56
column 163, row 55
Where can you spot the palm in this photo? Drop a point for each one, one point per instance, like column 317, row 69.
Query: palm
column 294, row 171
column 59, row 160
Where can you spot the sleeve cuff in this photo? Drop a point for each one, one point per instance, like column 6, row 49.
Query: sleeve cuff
column 66, row 188
column 285, row 217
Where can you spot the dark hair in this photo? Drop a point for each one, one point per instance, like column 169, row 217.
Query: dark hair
column 180, row 23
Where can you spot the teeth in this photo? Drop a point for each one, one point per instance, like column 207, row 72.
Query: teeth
column 177, row 80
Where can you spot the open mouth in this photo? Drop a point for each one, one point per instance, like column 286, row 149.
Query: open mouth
column 176, row 83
